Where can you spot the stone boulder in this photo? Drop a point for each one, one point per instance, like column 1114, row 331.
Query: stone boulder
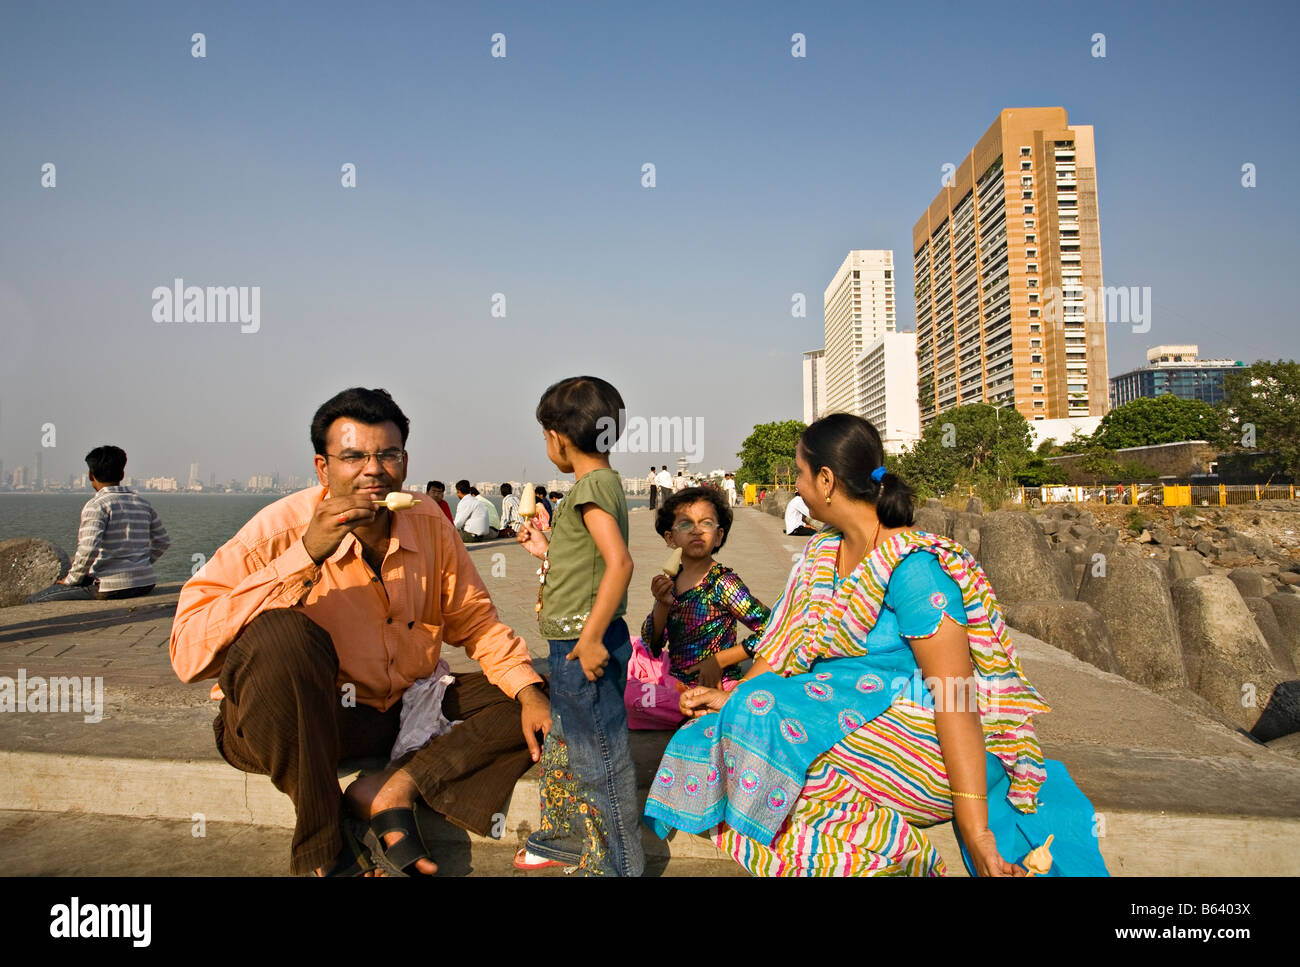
column 1186, row 564
column 28, row 565
column 1250, row 582
column 966, row 531
column 1130, row 594
column 975, row 506
column 1082, row 530
column 1287, row 745
column 1281, row 716
column 1286, row 607
column 1160, row 535
column 1228, row 661
column 1072, row 626
column 1279, row 643
column 781, row 500
column 932, row 520
column 1019, row 561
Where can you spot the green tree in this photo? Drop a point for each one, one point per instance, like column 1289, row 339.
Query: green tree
column 766, row 448
column 972, row 443
column 1097, row 465
column 1147, row 421
column 1262, row 408
column 1038, row 472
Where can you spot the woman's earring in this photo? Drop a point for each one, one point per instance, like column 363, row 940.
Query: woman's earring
column 828, row 498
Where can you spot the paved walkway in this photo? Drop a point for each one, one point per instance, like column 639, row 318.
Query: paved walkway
column 1175, row 792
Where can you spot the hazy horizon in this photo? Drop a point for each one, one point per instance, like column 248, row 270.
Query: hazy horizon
column 522, row 176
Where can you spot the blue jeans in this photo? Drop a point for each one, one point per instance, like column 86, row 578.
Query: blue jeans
column 590, row 814
column 87, row 590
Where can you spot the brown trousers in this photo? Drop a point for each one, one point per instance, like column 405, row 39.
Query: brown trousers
column 283, row 717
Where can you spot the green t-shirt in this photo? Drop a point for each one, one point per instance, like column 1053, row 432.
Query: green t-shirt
column 576, row 565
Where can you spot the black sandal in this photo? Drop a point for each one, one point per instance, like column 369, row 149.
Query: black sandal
column 353, row 858
column 400, row 858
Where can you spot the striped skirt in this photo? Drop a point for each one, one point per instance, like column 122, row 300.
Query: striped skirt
column 863, row 807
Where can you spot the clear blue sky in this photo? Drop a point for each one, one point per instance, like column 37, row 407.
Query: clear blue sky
column 522, row 176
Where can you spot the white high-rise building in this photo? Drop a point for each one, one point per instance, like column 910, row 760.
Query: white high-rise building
column 859, row 308
column 886, row 390
column 814, row 385
column 194, row 483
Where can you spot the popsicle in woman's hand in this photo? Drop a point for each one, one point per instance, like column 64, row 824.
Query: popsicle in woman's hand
column 1039, row 861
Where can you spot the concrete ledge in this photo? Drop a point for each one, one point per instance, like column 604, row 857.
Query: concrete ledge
column 185, row 790
column 1135, row 842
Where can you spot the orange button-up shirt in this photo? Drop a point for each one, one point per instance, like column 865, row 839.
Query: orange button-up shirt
column 388, row 633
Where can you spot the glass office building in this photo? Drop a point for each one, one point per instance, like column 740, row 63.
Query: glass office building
column 1173, row 369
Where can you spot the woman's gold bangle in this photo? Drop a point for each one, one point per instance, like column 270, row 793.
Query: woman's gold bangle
column 969, row 795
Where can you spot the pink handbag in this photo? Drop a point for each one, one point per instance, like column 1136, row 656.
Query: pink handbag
column 651, row 694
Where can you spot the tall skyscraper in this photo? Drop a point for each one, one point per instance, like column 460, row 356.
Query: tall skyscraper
column 195, row 482
column 38, row 481
column 859, row 308
column 814, row 385
column 1004, row 258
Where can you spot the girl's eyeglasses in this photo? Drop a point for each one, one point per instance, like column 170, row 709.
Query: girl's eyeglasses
column 686, row 526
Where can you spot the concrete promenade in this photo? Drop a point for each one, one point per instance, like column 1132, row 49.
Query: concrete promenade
column 1176, row 793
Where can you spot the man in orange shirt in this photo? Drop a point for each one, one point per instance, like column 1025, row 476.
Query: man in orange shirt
column 315, row 619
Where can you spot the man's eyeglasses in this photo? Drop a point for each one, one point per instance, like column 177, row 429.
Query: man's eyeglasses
column 686, row 526
column 356, row 459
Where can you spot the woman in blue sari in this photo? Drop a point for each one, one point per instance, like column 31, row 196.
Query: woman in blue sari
column 885, row 697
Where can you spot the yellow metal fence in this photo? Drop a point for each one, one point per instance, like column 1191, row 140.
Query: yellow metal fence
column 1171, row 495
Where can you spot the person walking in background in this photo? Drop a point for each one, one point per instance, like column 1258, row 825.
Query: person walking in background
column 119, row 538
column 435, row 489
column 665, row 481
column 651, row 482
column 729, row 487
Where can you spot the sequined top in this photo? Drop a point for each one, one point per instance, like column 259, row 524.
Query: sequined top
column 703, row 622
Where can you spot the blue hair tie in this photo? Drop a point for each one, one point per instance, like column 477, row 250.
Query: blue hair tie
column 878, row 474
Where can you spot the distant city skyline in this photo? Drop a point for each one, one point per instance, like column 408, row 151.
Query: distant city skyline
column 399, row 208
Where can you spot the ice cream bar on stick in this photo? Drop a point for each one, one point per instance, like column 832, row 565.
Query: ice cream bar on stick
column 528, row 503
column 674, row 563
column 1039, row 861
column 398, row 500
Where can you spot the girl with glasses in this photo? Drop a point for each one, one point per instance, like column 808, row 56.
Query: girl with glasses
column 695, row 614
